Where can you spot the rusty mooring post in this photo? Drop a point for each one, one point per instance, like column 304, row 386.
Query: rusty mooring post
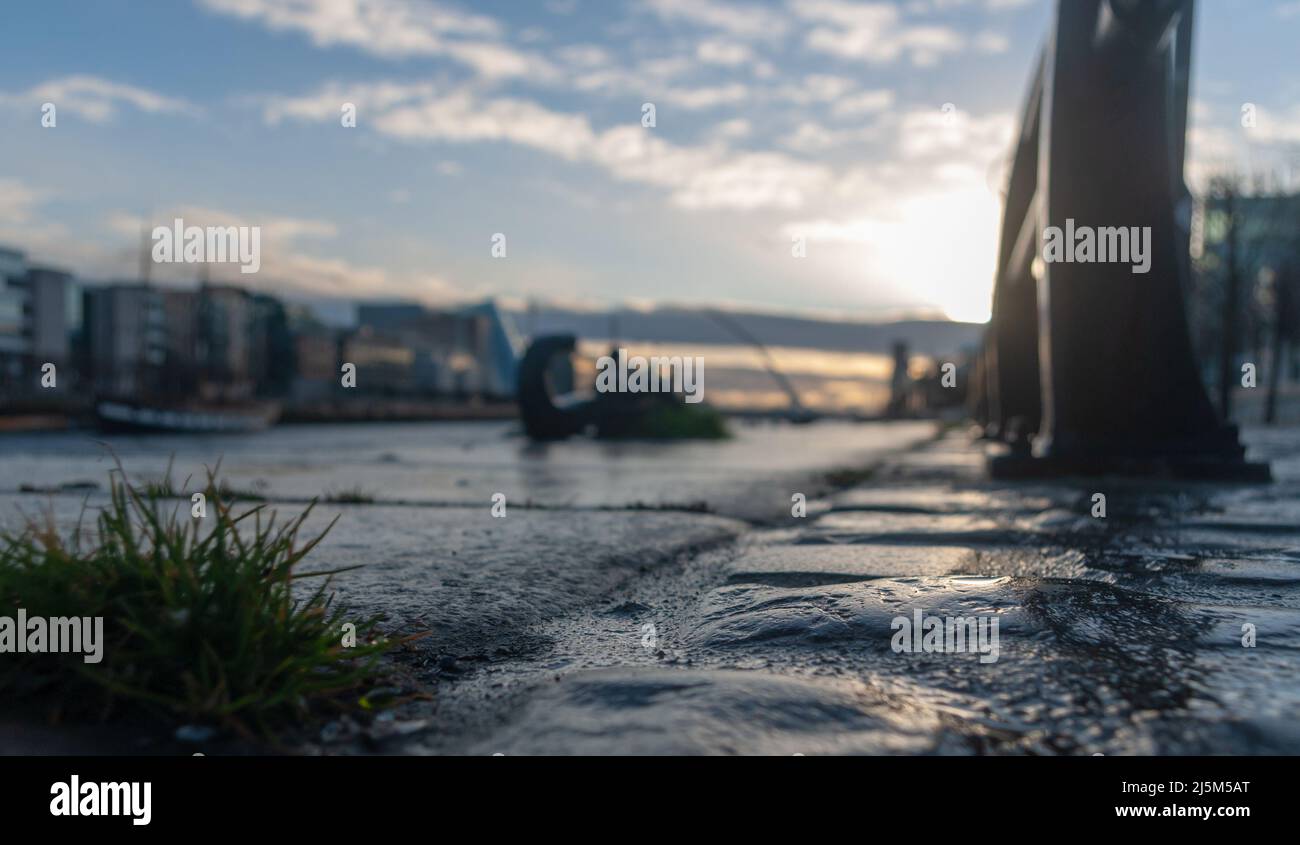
column 1097, row 217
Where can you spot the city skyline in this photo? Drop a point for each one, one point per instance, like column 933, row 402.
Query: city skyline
column 875, row 132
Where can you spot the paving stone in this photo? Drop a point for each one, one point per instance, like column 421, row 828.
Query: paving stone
column 478, row 582
column 869, row 561
column 863, row 612
column 623, row 711
column 944, row 499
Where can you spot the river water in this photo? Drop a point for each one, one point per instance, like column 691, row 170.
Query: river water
column 457, row 463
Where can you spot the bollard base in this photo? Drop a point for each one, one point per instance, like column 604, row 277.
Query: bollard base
column 1028, row 466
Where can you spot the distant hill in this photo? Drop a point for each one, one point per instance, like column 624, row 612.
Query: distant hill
column 692, row 325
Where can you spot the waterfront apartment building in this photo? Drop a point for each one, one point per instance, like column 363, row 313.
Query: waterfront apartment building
column 216, row 342
column 40, row 320
column 126, row 338
column 13, row 302
column 272, row 357
column 224, row 348
column 52, row 319
column 135, row 340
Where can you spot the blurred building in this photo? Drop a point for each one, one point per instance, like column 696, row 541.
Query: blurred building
column 13, row 302
column 500, row 346
column 459, row 352
column 315, row 355
column 271, row 356
column 316, row 373
column 126, row 338
column 1256, row 235
column 224, row 348
column 52, row 316
column 384, row 362
column 389, row 316
column 217, row 342
column 40, row 323
column 180, row 370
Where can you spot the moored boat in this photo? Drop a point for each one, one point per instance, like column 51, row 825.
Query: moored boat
column 115, row 415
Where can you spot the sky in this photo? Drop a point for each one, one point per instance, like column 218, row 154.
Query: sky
column 874, row 133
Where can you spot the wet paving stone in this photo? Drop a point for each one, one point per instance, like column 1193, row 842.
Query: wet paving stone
column 876, row 560
column 860, row 612
column 1118, row 635
column 622, row 711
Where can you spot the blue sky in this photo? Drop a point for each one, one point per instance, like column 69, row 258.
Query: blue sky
column 875, row 131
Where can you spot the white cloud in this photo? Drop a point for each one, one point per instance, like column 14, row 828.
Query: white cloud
column 989, row 41
column 737, row 127
column 811, row 137
column 751, row 181
column 276, row 229
column 327, row 103
column 584, row 55
column 930, row 6
column 461, row 117
column 389, row 27
column 642, row 79
column 696, row 99
column 955, row 136
column 742, row 20
column 873, row 32
column 1275, row 127
column 286, row 261
column 17, row 201
column 97, row 99
column 839, row 92
column 863, row 102
column 395, row 29
column 699, row 177
column 666, row 67
column 501, row 61
column 818, row 88
column 707, row 177
column 725, row 53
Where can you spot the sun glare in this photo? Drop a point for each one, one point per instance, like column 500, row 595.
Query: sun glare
column 942, row 250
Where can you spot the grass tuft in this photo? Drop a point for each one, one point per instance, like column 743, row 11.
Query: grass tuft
column 349, row 496
column 201, row 622
column 679, row 421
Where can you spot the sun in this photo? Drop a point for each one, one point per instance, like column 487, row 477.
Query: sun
column 940, row 250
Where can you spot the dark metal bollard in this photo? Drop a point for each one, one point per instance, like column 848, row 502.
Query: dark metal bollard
column 1094, row 357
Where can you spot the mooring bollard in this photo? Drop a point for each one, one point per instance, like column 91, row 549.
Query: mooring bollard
column 1090, row 345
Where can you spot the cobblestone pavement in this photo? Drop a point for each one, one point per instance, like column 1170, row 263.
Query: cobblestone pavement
column 1128, row 634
